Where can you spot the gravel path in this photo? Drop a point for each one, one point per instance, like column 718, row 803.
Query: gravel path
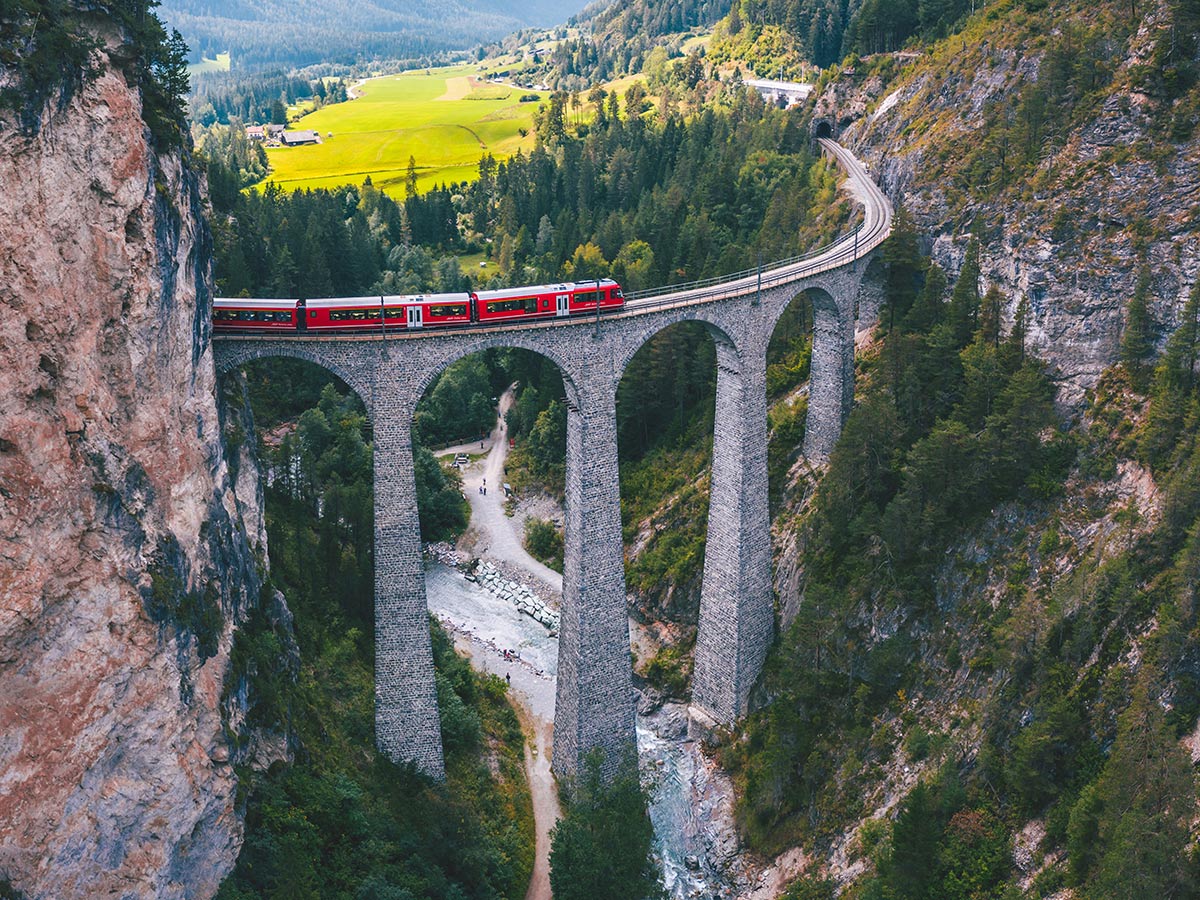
column 496, row 535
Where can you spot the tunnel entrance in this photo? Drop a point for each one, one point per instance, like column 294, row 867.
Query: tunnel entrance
column 822, row 129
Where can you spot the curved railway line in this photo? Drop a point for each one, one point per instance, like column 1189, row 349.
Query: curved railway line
column 846, row 250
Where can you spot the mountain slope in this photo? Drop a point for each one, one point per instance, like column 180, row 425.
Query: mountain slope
column 1068, row 140
column 311, row 31
column 983, row 654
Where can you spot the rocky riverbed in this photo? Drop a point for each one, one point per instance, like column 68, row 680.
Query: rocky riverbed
column 691, row 799
column 495, row 582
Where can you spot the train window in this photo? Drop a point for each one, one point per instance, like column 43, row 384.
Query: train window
column 283, row 317
column 546, row 303
column 588, row 297
column 312, row 313
column 395, row 312
column 358, row 315
column 525, row 304
column 447, row 309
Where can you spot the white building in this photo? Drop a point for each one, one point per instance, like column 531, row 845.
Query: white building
column 791, row 92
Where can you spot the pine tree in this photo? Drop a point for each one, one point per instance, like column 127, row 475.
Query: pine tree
column 902, row 256
column 1015, row 343
column 989, row 317
column 929, row 307
column 1147, row 798
column 410, row 178
column 1178, row 366
column 600, row 850
column 1174, row 380
column 964, row 302
column 1137, row 342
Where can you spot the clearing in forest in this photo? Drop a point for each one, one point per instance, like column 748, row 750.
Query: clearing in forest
column 446, row 119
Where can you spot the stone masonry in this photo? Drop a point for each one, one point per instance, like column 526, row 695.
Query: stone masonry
column 595, row 707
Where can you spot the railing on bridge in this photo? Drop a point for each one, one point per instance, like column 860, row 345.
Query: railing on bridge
column 765, row 276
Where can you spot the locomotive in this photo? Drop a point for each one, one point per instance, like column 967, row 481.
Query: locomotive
column 370, row 314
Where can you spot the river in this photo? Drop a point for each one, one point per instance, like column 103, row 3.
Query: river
column 689, row 804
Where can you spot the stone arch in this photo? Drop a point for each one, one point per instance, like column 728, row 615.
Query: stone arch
column 228, row 356
column 452, row 351
column 727, row 347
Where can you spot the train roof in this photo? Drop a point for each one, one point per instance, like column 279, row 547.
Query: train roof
column 527, row 290
column 251, row 303
column 388, row 300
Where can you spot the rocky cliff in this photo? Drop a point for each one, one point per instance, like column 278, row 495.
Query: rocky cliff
column 124, row 564
column 1056, row 137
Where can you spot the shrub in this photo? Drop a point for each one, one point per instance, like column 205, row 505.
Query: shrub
column 545, row 542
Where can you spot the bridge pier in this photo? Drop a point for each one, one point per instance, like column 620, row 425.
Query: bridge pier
column 737, row 614
column 831, row 383
column 407, row 725
column 594, row 705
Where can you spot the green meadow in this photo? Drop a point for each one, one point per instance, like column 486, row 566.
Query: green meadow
column 219, row 63
column 445, row 119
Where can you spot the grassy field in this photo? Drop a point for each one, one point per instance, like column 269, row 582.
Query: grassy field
column 207, row 64
column 445, row 118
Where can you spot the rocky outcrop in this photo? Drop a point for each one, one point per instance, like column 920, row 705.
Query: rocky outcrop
column 124, row 565
column 1071, row 233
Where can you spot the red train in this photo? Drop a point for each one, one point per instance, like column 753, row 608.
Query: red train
column 349, row 314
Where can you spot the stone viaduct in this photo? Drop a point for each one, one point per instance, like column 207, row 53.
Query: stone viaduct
column 595, row 699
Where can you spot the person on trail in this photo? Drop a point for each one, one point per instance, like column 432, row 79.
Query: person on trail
column 508, row 679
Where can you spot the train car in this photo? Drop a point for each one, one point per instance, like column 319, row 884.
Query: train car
column 246, row 315
column 547, row 301
column 365, row 313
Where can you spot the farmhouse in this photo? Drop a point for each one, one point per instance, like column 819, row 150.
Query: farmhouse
column 256, row 133
column 293, row 138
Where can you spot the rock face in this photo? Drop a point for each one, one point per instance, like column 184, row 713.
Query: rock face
column 1113, row 193
column 124, row 565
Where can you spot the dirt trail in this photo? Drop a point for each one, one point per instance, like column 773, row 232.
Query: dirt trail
column 546, row 810
column 533, row 696
column 497, row 539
